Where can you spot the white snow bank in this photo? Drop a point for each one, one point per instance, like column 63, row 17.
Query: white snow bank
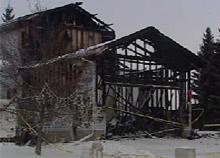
column 112, row 149
column 166, row 147
column 125, row 148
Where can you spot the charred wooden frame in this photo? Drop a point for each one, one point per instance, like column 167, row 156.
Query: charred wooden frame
column 149, row 74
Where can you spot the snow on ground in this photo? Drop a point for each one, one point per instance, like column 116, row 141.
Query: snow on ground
column 112, row 149
column 166, row 147
column 124, row 148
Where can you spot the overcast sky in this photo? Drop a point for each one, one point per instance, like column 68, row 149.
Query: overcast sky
column 183, row 20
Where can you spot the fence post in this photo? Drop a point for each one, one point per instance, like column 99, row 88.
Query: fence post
column 185, row 152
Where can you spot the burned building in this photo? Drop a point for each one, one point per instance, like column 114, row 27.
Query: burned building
column 148, row 75
column 137, row 82
column 52, row 33
column 49, row 34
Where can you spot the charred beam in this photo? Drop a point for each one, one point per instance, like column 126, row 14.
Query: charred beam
column 144, row 85
column 148, row 42
column 141, row 48
column 141, row 57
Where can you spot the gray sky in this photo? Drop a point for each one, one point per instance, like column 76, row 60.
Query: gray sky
column 183, row 20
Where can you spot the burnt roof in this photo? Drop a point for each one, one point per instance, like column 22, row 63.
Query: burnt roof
column 175, row 55
column 73, row 6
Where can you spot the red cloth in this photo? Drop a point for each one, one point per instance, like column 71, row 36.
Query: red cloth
column 190, row 95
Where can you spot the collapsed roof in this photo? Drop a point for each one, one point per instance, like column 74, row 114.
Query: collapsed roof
column 167, row 52
column 75, row 13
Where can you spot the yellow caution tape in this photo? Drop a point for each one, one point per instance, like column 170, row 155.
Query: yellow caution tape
column 126, row 155
column 35, row 132
column 211, row 153
column 199, row 116
column 212, row 125
column 133, row 155
column 146, row 116
column 136, row 155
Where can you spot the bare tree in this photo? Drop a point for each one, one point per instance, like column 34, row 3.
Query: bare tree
column 8, row 15
column 37, row 107
column 37, row 103
column 38, row 7
column 46, row 92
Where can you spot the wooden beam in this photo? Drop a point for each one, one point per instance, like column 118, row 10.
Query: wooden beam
column 135, row 52
column 143, row 58
column 123, row 65
column 141, row 48
column 121, row 96
column 143, row 85
column 126, row 81
column 148, row 42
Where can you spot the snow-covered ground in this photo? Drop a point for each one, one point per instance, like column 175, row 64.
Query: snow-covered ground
column 124, row 148
column 166, row 147
column 112, row 149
